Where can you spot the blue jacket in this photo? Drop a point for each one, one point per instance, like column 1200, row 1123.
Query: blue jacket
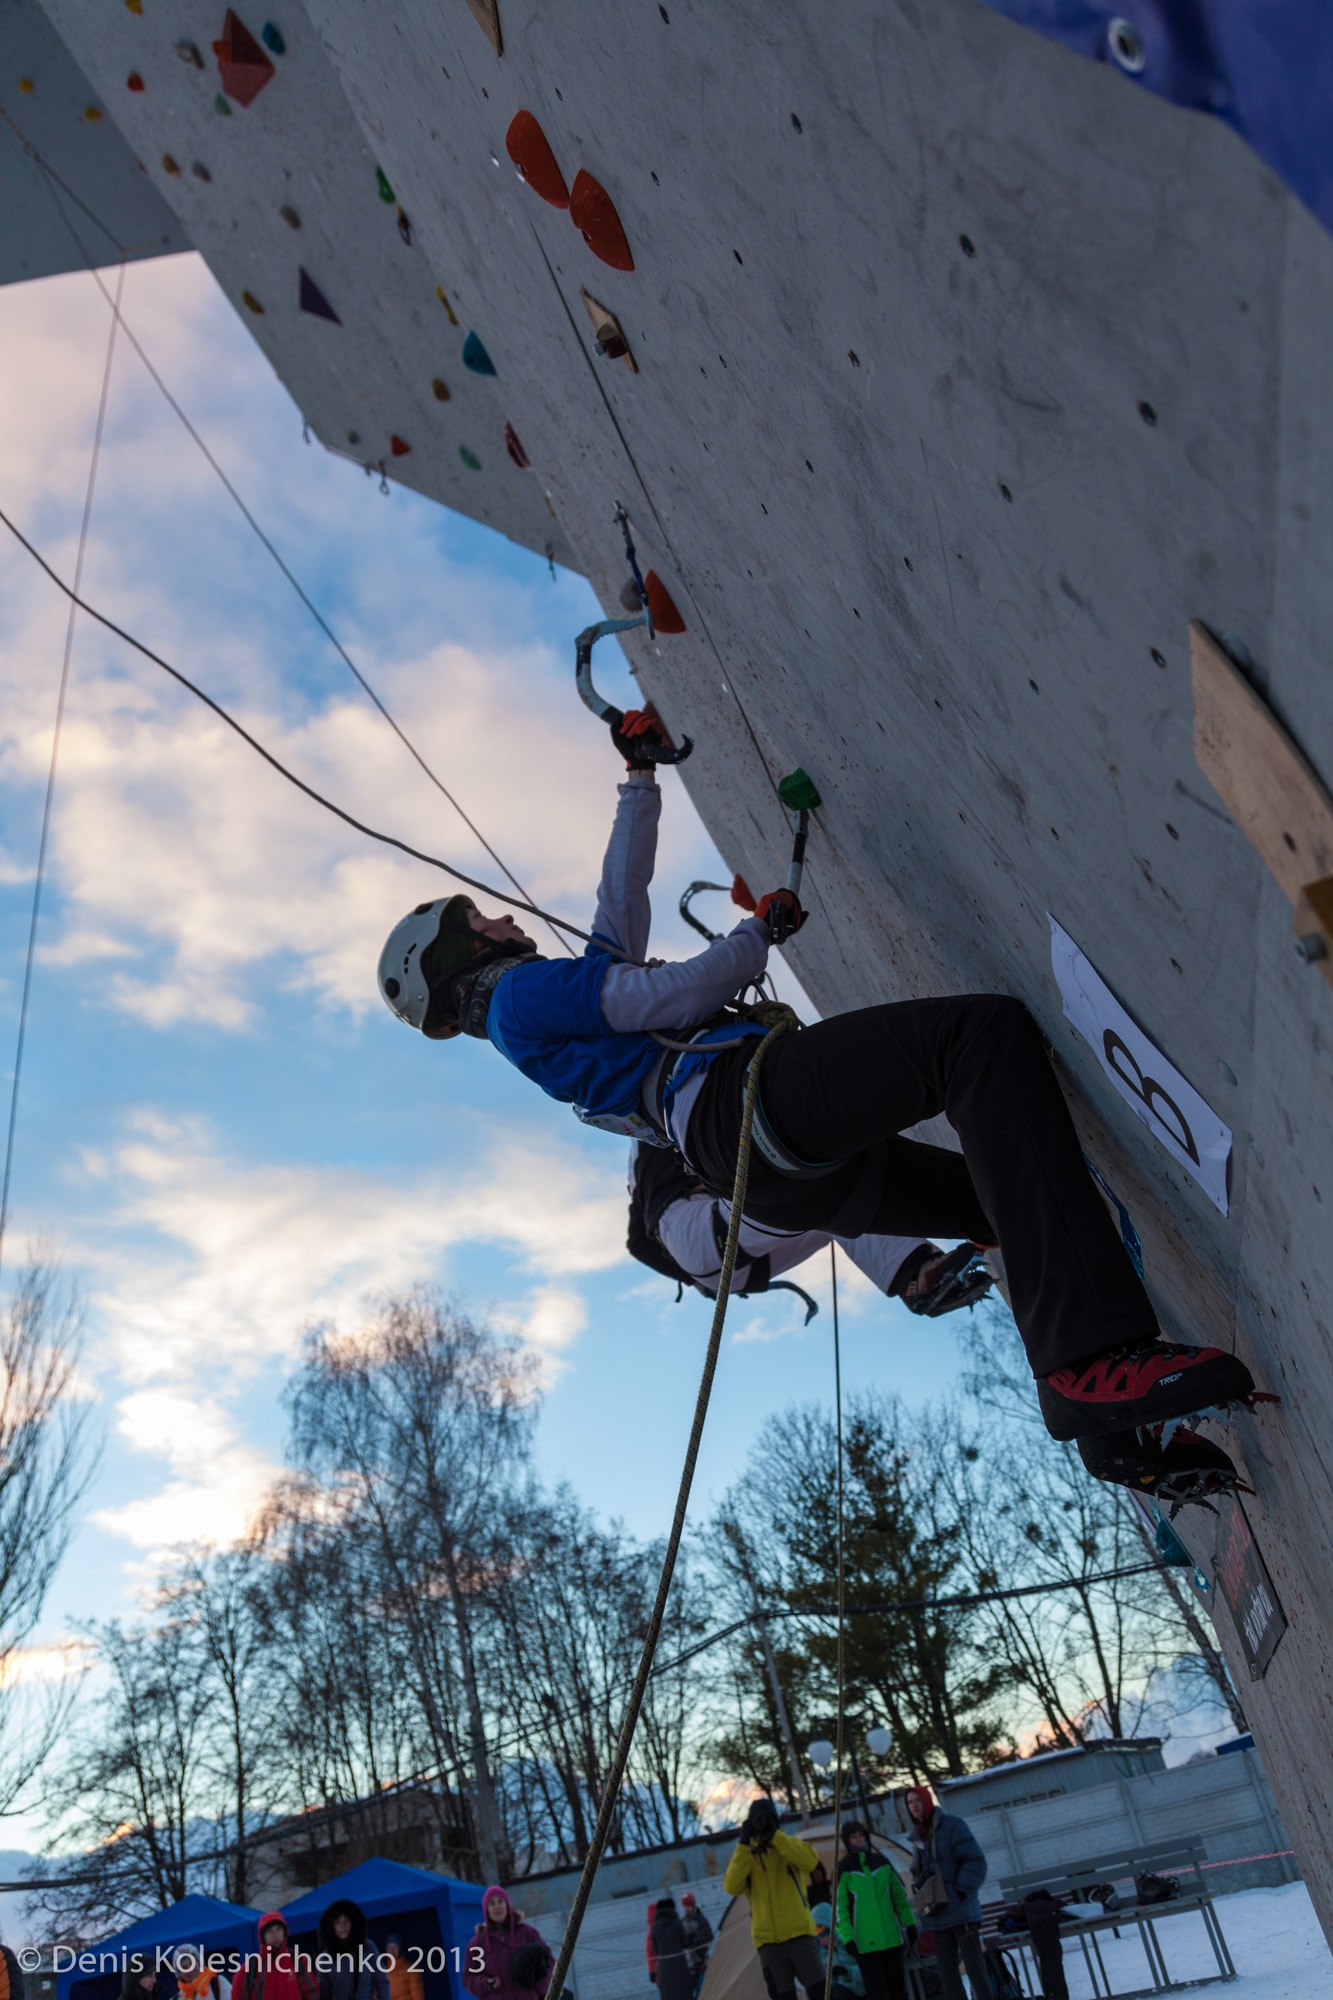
column 950, row 1846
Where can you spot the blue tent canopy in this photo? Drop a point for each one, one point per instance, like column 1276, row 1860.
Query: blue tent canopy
column 434, row 1916
column 202, row 1920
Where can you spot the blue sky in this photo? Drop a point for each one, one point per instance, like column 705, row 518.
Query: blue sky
column 221, row 1127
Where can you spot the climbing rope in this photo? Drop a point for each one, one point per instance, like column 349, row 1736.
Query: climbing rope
column 625, row 1742
column 842, row 1627
column 40, row 873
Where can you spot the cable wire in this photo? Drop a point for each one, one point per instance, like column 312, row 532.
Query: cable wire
column 53, row 179
column 842, row 1623
column 40, row 874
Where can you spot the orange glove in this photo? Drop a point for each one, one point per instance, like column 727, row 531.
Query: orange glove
column 782, row 912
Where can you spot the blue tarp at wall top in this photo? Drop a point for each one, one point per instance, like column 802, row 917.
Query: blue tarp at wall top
column 1264, row 66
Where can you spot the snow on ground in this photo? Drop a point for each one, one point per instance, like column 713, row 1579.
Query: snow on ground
column 1273, row 1936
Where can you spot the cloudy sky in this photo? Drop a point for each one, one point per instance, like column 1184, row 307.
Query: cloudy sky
column 221, row 1127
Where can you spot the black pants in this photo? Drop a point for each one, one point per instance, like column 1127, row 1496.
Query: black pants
column 883, row 1974
column 1043, row 1922
column 843, row 1091
column 962, row 1942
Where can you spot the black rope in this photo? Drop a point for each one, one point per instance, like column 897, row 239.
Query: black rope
column 309, row 603
column 40, row 874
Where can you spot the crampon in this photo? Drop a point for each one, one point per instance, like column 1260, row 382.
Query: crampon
column 948, row 1282
column 1182, row 1470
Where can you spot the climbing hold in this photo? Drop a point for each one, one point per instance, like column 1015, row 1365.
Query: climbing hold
column 244, row 66
column 134, row 6
column 221, row 106
column 476, row 358
column 530, row 150
column 26, row 85
column 170, row 166
column 453, row 316
column 798, row 793
column 608, row 332
column 517, row 453
column 469, row 458
column 271, row 37
column 404, row 227
column 486, row 14
column 314, row 301
column 381, row 182
column 134, row 81
column 249, row 299
column 290, row 217
column 92, row 115
column 665, row 616
column 593, row 214
column 398, row 446
column 200, row 171
column 189, row 53
column 353, row 437
column 440, row 390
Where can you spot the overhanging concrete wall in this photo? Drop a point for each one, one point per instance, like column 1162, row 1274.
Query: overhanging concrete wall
column 969, row 376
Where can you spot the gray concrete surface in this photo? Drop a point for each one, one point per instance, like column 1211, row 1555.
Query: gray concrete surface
column 969, row 376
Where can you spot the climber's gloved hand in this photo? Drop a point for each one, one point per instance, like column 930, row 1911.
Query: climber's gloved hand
column 638, row 730
column 781, row 910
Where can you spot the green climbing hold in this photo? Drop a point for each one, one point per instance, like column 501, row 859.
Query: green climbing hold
column 221, row 106
column 353, row 437
column 798, row 793
column 382, row 183
column 469, row 458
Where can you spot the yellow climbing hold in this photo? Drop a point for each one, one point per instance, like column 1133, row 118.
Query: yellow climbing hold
column 26, row 85
column 92, row 115
column 453, row 316
column 169, row 166
column 135, row 6
column 440, row 390
column 249, row 299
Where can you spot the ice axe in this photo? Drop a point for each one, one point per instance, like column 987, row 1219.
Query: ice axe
column 605, row 711
column 798, row 792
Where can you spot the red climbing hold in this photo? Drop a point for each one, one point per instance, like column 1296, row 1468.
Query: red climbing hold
column 666, row 618
column 530, row 150
column 593, row 214
column 741, row 893
column 515, row 449
column 134, row 81
column 399, row 446
column 245, row 67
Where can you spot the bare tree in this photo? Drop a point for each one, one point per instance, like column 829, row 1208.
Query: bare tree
column 46, row 1461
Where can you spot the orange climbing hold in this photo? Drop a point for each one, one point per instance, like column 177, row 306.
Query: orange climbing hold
column 398, row 446
column 530, row 150
column 593, row 214
column 666, row 618
column 245, row 67
column 134, row 81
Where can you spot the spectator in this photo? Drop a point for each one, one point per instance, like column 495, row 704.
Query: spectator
column 847, row 1981
column 875, row 1919
column 11, row 1976
column 769, row 1869
column 1041, row 1914
column 139, row 1980
column 347, row 1969
column 948, row 1870
column 405, row 1982
column 675, row 1981
column 274, row 1972
column 698, row 1936
column 195, row 1977
column 649, row 1953
column 503, row 1959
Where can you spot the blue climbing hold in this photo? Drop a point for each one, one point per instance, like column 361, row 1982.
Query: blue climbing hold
column 476, row 358
column 271, row 37
column 314, row 301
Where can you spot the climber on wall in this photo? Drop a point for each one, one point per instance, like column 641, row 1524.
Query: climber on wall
column 679, row 1227
column 835, row 1100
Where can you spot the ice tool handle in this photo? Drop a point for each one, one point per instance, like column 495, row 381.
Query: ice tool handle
column 658, row 753
column 799, row 794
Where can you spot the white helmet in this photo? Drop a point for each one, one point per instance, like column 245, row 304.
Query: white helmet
column 402, row 977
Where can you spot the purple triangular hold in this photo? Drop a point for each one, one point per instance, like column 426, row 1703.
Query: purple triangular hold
column 314, row 301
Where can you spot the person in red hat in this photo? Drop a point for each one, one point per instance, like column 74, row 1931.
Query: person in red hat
column 948, row 1870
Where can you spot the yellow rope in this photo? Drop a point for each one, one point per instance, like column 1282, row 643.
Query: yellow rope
column 615, row 1777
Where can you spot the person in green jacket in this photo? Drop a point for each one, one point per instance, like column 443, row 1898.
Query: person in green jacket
column 875, row 1919
column 769, row 1868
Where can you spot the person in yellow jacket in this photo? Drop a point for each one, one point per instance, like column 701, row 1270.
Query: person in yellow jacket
column 769, row 1868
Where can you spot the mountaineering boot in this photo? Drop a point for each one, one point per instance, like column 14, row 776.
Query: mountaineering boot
column 944, row 1283
column 1129, row 1387
column 1188, row 1468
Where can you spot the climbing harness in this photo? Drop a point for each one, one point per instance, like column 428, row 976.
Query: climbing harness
column 616, row 1774
column 605, row 711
